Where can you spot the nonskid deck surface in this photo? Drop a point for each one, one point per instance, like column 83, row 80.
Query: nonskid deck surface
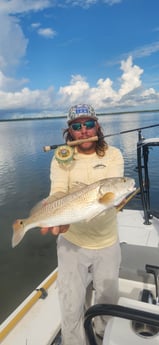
column 132, row 229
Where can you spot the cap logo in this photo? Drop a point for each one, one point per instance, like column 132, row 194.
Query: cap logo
column 81, row 110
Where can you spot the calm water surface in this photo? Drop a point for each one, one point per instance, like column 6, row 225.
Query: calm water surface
column 24, row 180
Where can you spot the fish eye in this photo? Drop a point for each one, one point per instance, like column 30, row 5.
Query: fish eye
column 21, row 222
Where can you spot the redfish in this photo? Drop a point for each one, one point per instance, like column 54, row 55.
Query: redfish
column 83, row 203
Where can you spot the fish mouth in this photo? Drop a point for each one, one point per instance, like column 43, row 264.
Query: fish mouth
column 132, row 189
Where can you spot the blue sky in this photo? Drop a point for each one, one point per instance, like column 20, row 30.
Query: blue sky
column 54, row 54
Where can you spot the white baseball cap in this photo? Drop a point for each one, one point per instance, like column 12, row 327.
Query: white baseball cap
column 81, row 110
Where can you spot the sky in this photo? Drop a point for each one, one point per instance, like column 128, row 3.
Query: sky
column 58, row 53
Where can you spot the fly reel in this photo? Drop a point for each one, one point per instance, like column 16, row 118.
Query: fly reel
column 64, row 154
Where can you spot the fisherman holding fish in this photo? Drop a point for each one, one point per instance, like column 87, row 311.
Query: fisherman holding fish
column 90, row 247
column 86, row 184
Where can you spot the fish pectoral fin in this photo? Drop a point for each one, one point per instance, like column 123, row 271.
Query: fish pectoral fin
column 107, row 198
column 18, row 232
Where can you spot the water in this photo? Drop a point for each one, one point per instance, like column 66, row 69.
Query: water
column 24, row 180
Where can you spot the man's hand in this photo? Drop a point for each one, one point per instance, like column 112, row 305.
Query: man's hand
column 55, row 230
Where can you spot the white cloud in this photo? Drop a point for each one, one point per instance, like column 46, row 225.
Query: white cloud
column 145, row 50
column 35, row 25
column 130, row 77
column 103, row 96
column 12, row 42
column 81, row 3
column 87, row 3
column 112, row 2
column 10, row 84
column 14, row 97
column 78, row 88
column 47, row 32
column 149, row 92
column 26, row 100
column 44, row 32
column 21, row 6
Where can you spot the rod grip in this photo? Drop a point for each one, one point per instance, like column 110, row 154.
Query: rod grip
column 80, row 141
column 70, row 143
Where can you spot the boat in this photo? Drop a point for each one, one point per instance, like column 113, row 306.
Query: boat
column 135, row 319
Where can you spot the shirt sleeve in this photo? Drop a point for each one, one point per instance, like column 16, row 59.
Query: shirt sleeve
column 119, row 162
column 115, row 162
column 59, row 178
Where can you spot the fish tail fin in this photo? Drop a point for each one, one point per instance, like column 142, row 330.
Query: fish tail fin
column 18, row 232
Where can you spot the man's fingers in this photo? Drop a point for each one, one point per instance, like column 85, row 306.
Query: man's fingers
column 64, row 228
column 55, row 230
column 44, row 231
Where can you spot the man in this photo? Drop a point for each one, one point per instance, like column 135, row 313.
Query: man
column 87, row 247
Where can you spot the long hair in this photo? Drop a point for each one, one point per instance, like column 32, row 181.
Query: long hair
column 101, row 144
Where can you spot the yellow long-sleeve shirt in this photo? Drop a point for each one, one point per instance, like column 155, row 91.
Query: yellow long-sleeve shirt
column 102, row 230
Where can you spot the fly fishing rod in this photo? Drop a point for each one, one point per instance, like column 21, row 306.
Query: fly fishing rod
column 95, row 138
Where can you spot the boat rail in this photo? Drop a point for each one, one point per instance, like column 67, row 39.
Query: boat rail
column 143, row 150
column 123, row 312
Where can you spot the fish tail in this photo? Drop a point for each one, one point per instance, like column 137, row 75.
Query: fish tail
column 18, row 232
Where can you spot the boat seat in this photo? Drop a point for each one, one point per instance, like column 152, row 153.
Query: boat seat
column 134, row 259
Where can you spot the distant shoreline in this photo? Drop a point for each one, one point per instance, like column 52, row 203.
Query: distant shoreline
column 64, row 116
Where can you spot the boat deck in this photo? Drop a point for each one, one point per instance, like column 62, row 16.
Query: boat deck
column 137, row 240
column 139, row 246
column 132, row 229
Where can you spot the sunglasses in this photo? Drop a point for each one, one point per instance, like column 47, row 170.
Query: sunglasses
column 77, row 126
